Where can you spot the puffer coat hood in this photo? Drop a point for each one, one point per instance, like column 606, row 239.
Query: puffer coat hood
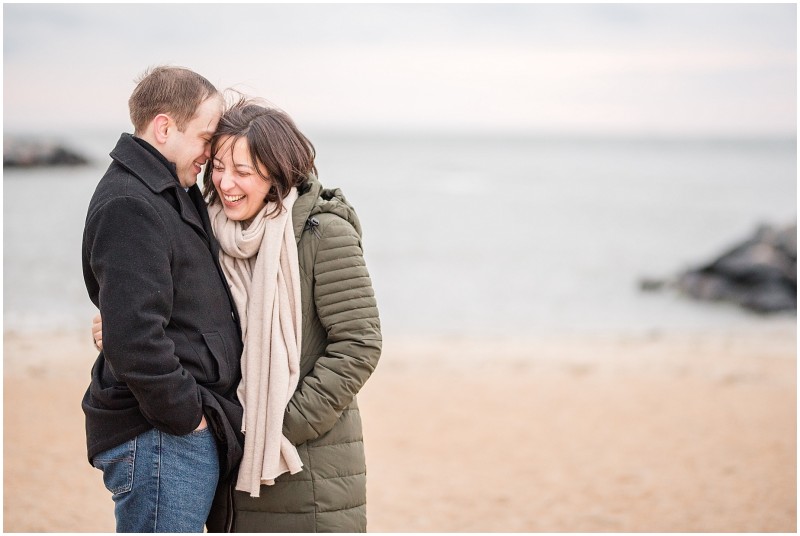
column 341, row 348
column 317, row 200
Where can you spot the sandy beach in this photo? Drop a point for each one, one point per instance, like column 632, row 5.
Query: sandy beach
column 689, row 433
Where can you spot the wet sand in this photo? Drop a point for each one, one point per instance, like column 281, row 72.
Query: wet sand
column 689, row 433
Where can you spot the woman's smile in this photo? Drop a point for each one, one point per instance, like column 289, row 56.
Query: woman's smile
column 232, row 199
column 241, row 183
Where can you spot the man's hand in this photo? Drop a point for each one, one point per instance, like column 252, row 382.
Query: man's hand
column 203, row 424
column 97, row 337
column 97, row 332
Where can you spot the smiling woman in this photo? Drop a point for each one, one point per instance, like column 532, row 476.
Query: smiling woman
column 242, row 184
column 291, row 252
column 255, row 142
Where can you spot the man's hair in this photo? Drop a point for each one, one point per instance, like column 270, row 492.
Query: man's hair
column 273, row 140
column 175, row 91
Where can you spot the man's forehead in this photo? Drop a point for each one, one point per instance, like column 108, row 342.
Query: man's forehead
column 210, row 112
column 211, row 125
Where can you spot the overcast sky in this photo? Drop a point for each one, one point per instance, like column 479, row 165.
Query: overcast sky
column 594, row 68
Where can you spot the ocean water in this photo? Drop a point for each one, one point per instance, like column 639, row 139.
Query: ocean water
column 501, row 236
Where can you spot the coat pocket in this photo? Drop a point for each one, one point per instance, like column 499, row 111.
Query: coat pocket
column 219, row 354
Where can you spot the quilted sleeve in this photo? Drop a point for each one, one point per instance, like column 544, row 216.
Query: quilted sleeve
column 346, row 307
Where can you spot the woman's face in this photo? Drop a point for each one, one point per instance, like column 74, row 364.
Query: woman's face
column 241, row 189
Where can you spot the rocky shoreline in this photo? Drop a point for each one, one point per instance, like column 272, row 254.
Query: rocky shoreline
column 759, row 273
column 24, row 153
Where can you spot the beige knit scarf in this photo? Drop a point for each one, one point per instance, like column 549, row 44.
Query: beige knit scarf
column 262, row 269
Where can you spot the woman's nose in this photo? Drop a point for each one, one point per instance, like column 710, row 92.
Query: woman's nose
column 226, row 181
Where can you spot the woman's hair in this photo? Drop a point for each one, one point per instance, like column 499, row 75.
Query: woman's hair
column 273, row 140
column 175, row 91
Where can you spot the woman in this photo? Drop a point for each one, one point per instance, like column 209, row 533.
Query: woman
column 291, row 251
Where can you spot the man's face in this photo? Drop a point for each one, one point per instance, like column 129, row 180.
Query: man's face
column 190, row 150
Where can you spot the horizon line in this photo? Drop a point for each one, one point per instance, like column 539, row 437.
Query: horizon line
column 440, row 131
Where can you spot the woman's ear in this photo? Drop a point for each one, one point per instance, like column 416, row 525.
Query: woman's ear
column 161, row 126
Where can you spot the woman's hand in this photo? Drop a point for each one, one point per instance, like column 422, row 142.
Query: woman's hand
column 97, row 332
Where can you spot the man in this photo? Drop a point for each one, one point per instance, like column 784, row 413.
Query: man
column 162, row 418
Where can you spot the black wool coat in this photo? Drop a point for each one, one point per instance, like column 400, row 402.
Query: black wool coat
column 171, row 335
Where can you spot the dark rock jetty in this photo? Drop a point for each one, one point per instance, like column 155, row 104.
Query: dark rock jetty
column 759, row 274
column 20, row 153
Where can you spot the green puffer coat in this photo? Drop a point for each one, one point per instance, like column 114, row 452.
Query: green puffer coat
column 341, row 346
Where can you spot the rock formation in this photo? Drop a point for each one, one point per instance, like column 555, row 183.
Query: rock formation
column 28, row 153
column 759, row 274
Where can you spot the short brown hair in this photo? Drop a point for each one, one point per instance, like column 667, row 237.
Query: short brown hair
column 175, row 91
column 273, row 140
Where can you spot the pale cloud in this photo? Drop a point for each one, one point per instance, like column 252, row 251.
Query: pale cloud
column 719, row 68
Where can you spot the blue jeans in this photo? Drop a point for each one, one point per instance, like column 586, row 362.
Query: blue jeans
column 161, row 482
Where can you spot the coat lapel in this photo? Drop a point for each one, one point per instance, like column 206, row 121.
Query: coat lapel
column 196, row 197
column 190, row 211
column 154, row 173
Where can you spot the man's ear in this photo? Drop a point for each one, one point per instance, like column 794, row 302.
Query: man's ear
column 161, row 126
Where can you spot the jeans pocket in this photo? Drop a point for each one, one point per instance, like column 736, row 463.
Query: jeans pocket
column 200, row 447
column 201, row 432
column 117, row 465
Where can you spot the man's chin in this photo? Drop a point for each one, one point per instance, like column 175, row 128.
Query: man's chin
column 188, row 182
